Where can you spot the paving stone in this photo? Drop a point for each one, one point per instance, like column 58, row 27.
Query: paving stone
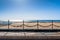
column 52, row 34
column 2, row 33
column 29, row 33
column 15, row 34
column 34, row 34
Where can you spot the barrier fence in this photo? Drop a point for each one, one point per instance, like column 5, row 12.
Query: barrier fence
column 33, row 25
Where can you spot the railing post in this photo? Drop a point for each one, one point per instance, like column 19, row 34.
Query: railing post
column 23, row 24
column 37, row 24
column 8, row 24
column 23, row 29
column 52, row 24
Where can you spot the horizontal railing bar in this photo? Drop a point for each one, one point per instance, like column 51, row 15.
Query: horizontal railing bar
column 29, row 30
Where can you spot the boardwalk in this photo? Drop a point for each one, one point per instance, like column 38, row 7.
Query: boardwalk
column 29, row 35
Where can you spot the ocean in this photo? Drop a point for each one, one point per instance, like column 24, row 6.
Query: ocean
column 43, row 21
column 6, row 22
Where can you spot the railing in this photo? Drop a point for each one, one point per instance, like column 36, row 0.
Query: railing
column 38, row 24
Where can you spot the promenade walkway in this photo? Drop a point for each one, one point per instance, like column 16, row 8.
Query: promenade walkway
column 29, row 35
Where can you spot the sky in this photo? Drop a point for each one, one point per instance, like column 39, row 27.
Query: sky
column 30, row 9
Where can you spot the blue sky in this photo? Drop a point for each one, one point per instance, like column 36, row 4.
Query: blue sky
column 30, row 9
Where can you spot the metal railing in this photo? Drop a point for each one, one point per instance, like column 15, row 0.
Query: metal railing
column 37, row 24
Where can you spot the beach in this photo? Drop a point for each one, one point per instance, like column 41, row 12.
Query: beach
column 47, row 25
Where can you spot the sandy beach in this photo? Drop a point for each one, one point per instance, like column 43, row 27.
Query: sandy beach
column 32, row 26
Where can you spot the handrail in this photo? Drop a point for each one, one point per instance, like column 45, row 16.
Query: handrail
column 33, row 25
column 29, row 25
column 37, row 25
